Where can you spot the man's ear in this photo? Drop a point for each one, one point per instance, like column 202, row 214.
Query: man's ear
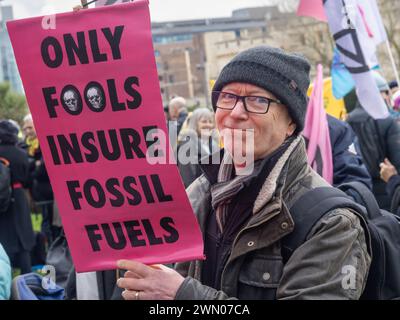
column 291, row 128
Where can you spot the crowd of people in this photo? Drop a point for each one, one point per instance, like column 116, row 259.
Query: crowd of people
column 245, row 219
column 31, row 194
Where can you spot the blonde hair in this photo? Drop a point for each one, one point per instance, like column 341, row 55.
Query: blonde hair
column 191, row 124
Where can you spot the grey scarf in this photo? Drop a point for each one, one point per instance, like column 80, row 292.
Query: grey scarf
column 227, row 186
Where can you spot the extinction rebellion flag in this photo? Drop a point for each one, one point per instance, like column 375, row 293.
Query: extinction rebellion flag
column 352, row 34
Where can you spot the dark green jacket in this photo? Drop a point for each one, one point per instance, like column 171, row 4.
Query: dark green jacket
column 319, row 269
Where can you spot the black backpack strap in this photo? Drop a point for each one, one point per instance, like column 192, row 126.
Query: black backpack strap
column 366, row 196
column 308, row 210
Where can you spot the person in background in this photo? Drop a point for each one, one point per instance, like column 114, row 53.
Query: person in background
column 177, row 111
column 21, row 142
column 5, row 275
column 393, row 86
column 396, row 100
column 166, row 114
column 395, row 110
column 196, row 142
column 40, row 187
column 379, row 139
column 16, row 232
column 31, row 139
column 390, row 175
column 348, row 164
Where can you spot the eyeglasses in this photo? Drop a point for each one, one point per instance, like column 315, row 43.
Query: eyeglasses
column 252, row 104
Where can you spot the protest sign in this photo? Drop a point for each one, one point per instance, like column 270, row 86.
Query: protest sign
column 92, row 87
column 334, row 107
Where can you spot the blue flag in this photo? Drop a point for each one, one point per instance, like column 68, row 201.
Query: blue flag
column 342, row 81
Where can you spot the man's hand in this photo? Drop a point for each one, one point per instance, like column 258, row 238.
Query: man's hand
column 142, row 282
column 387, row 170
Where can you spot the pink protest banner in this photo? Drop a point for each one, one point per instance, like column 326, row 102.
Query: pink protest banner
column 92, row 87
column 316, row 132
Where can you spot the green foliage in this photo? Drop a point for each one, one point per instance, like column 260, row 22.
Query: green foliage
column 12, row 105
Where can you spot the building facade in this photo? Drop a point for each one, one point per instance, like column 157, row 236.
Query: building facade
column 186, row 53
column 191, row 54
column 8, row 66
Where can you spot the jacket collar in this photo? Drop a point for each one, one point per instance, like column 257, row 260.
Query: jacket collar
column 297, row 167
column 276, row 178
column 210, row 165
column 277, row 188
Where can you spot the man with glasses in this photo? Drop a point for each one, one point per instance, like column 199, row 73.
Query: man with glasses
column 245, row 218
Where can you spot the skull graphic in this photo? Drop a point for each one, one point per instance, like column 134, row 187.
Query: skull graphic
column 71, row 100
column 95, row 98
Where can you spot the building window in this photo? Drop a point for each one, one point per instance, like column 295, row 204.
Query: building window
column 172, row 39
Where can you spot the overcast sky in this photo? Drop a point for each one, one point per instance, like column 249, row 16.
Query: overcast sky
column 160, row 10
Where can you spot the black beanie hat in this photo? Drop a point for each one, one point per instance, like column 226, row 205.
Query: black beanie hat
column 8, row 133
column 286, row 75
